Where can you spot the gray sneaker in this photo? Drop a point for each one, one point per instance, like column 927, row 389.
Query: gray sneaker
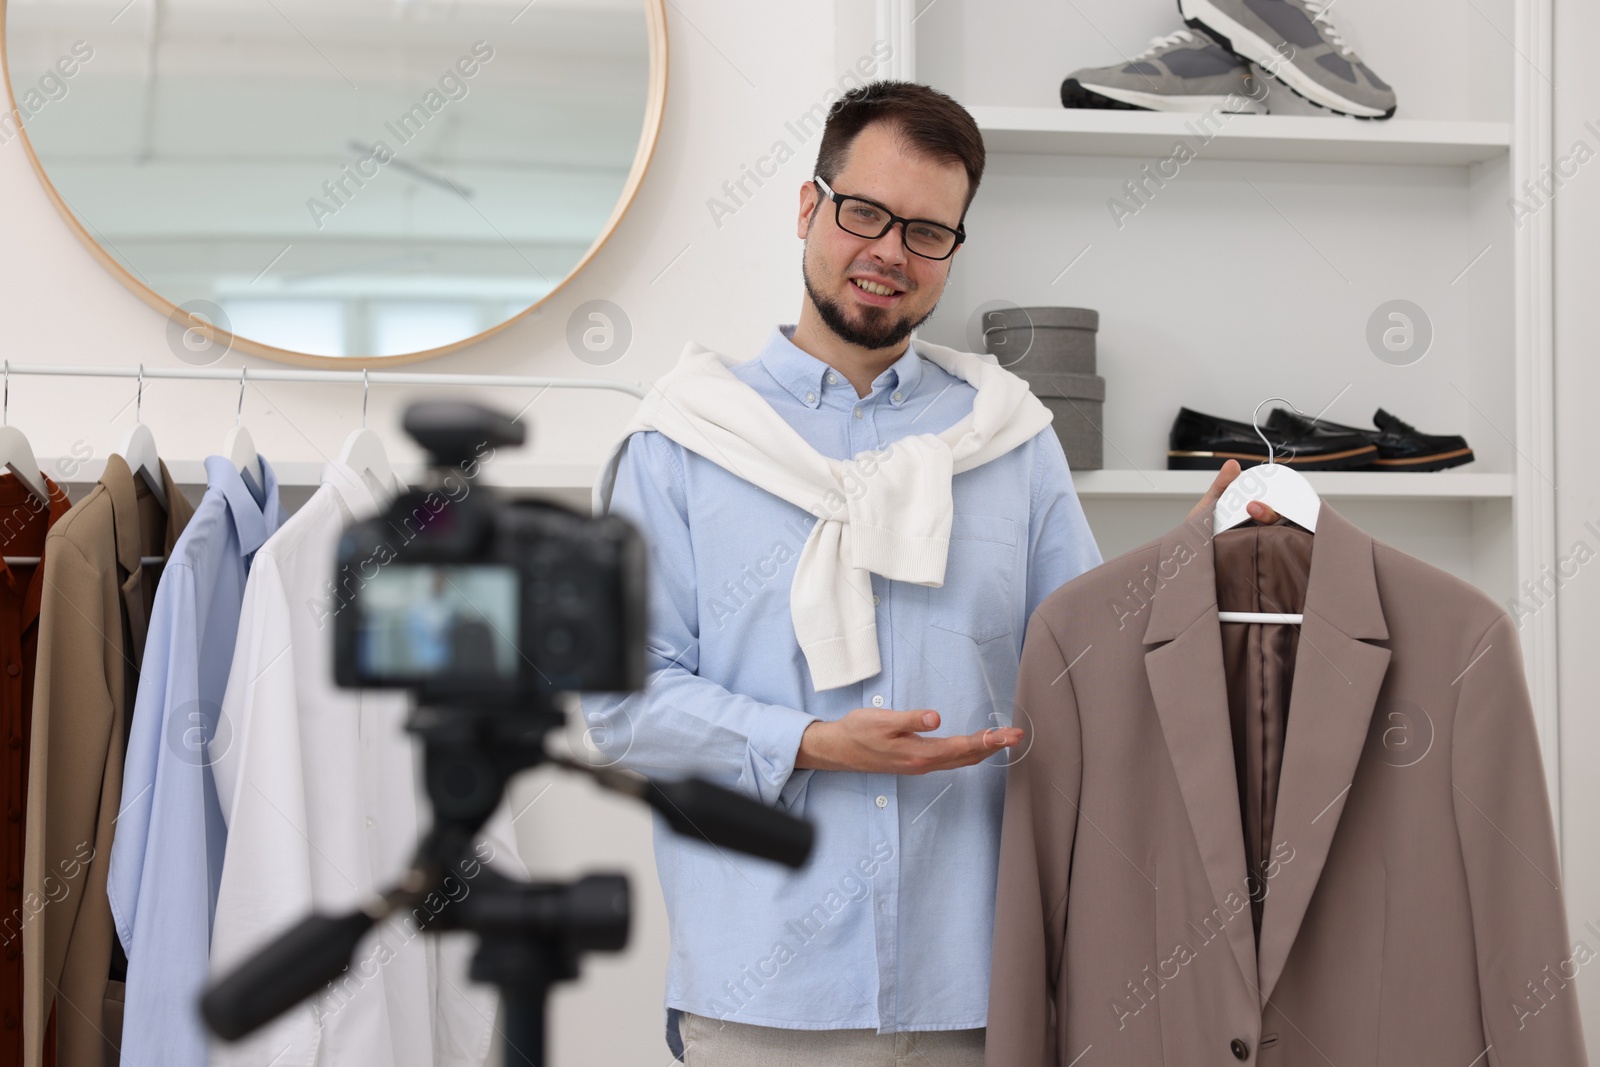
column 1180, row 72
column 1293, row 41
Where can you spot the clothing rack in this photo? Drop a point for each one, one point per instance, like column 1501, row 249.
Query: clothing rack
column 33, row 561
column 324, row 377
column 363, row 378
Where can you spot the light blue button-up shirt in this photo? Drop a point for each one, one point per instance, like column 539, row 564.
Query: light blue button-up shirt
column 889, row 925
column 166, row 857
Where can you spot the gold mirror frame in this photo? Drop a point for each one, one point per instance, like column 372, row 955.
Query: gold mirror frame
column 655, row 107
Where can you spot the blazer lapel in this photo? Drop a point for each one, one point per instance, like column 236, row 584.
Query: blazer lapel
column 1337, row 676
column 1191, row 697
column 131, row 549
column 118, row 480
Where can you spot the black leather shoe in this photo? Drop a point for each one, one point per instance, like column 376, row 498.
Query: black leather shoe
column 1200, row 442
column 1400, row 446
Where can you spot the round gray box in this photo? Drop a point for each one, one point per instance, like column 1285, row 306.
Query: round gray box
column 1042, row 340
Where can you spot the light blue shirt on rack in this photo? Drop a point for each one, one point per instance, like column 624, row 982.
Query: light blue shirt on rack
column 166, row 857
column 889, row 925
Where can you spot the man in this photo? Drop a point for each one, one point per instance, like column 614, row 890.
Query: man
column 878, row 951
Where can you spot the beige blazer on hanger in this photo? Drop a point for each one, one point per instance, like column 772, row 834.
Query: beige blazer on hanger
column 1413, row 915
column 92, row 618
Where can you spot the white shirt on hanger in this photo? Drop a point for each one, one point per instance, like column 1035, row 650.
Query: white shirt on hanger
column 321, row 790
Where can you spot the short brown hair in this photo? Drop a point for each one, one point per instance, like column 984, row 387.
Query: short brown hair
column 933, row 125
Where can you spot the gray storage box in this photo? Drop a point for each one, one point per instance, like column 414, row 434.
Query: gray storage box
column 1077, row 402
column 1052, row 349
column 1045, row 340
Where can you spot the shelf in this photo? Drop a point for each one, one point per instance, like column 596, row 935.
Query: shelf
column 1282, row 138
column 1440, row 485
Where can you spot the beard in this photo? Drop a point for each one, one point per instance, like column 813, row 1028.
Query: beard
column 877, row 329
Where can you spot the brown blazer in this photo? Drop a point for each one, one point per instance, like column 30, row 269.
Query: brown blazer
column 1413, row 914
column 92, row 618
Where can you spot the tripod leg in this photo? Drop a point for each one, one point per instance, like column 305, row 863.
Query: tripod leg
column 524, row 1024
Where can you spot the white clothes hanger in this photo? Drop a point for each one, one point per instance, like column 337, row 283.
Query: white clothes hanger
column 139, row 449
column 1280, row 487
column 363, row 450
column 15, row 452
column 238, row 446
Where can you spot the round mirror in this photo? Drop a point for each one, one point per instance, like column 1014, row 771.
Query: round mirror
column 320, row 180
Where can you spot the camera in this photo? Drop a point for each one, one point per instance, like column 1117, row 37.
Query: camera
column 452, row 593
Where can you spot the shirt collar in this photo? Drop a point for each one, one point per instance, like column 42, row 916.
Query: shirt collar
column 905, row 375
column 802, row 374
column 252, row 521
column 13, row 491
column 356, row 493
column 793, row 368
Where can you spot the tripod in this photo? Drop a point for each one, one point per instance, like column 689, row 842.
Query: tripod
column 531, row 935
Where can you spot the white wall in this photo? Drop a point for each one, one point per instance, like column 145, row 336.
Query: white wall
column 738, row 71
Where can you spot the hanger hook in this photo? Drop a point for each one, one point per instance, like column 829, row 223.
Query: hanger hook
column 1255, row 420
column 138, row 401
column 238, row 415
column 366, row 390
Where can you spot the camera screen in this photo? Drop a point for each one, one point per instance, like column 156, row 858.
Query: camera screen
column 439, row 620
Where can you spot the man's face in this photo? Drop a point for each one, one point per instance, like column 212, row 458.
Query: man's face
column 881, row 169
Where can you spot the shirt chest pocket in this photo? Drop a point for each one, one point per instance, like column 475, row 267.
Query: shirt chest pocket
column 976, row 598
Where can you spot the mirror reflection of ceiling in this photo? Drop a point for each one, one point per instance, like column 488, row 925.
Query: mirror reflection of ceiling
column 342, row 177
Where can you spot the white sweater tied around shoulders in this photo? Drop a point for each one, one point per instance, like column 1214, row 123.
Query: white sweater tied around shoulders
column 884, row 511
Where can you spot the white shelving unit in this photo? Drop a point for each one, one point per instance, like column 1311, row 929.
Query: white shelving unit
column 1335, row 485
column 1274, row 138
column 1252, row 269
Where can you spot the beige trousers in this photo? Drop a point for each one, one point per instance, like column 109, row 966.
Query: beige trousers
column 715, row 1043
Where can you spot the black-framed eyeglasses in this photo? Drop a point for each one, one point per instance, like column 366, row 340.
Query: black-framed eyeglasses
column 863, row 218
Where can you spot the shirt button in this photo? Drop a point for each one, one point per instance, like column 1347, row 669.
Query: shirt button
column 11, row 953
column 882, row 801
column 811, row 398
column 13, row 883
column 369, row 820
column 877, row 701
column 16, row 814
column 1241, row 1051
column 13, row 670
column 16, row 742
column 895, row 396
column 858, row 413
column 833, row 379
column 874, row 599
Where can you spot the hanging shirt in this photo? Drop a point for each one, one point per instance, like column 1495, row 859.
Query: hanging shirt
column 888, row 925
column 24, row 521
column 166, row 859
column 92, row 614
column 320, row 790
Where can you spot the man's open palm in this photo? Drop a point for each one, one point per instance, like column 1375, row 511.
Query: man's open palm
column 885, row 741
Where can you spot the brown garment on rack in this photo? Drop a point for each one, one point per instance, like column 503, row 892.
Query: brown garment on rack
column 1260, row 568
column 24, row 521
column 95, row 605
